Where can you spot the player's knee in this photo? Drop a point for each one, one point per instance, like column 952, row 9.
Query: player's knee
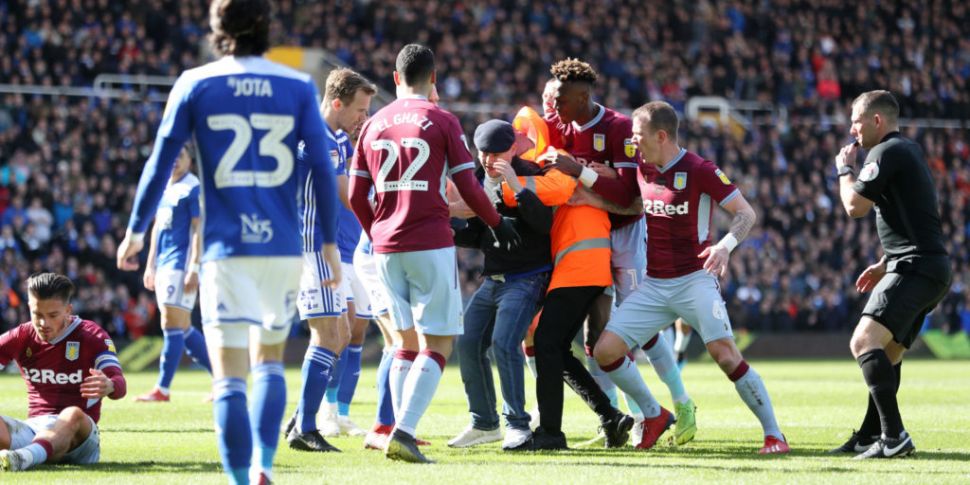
column 725, row 353
column 859, row 344
column 609, row 348
column 73, row 415
column 4, row 435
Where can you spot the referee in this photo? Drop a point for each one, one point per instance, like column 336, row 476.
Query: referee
column 912, row 276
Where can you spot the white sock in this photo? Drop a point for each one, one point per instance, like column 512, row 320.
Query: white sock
column 419, row 388
column 627, row 377
column 681, row 342
column 665, row 364
column 400, row 368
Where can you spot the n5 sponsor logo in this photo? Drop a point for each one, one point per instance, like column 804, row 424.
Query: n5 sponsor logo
column 256, row 230
column 48, row 376
column 661, row 208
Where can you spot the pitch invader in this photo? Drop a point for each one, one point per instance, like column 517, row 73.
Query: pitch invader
column 345, row 106
column 603, row 157
column 172, row 272
column 405, row 151
column 246, row 114
column 69, row 366
column 682, row 190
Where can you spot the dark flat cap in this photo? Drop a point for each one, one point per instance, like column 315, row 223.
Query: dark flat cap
column 494, row 136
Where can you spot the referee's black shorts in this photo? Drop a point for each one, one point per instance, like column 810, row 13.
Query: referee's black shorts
column 904, row 296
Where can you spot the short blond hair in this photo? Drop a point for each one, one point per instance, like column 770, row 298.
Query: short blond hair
column 879, row 101
column 659, row 115
column 344, row 83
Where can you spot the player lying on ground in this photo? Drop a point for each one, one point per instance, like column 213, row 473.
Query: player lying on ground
column 69, row 365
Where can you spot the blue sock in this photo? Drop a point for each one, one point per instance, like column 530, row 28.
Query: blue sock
column 232, row 428
column 171, row 355
column 385, row 406
column 336, row 376
column 269, row 404
column 195, row 347
column 316, row 374
column 349, row 378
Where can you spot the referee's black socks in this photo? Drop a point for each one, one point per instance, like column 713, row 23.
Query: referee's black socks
column 870, row 424
column 883, row 381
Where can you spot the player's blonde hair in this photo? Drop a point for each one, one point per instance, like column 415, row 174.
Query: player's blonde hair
column 344, row 83
column 659, row 115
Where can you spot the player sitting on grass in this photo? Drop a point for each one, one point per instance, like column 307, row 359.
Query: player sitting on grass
column 69, row 365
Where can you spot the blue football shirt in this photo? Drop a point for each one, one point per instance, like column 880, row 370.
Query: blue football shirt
column 173, row 222
column 246, row 115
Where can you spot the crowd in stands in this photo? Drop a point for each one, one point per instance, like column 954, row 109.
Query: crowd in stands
column 69, row 165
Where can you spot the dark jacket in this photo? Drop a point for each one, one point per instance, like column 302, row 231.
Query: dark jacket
column 531, row 219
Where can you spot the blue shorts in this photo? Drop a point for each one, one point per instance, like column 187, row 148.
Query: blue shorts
column 694, row 297
column 22, row 434
column 422, row 289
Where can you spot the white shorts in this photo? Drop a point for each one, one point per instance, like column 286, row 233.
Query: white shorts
column 365, row 273
column 249, row 296
column 695, row 297
column 22, row 434
column 423, row 290
column 354, row 290
column 170, row 289
column 316, row 300
column 628, row 258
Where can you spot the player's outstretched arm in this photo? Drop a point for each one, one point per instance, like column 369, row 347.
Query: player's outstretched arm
column 716, row 257
column 151, row 186
column 149, row 278
column 584, row 196
column 195, row 255
column 359, row 186
column 473, row 195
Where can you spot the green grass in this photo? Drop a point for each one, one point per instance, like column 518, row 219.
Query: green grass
column 817, row 405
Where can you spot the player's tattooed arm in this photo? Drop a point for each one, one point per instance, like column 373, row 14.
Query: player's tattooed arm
column 584, row 196
column 716, row 256
column 742, row 223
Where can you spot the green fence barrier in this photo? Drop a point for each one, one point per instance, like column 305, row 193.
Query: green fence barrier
column 943, row 346
column 141, row 353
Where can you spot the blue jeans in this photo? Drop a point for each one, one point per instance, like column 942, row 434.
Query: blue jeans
column 498, row 316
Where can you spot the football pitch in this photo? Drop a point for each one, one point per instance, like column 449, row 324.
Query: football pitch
column 817, row 402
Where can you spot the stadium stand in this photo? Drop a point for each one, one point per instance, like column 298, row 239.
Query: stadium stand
column 68, row 165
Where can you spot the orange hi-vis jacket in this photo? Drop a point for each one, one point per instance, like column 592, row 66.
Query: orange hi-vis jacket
column 580, row 234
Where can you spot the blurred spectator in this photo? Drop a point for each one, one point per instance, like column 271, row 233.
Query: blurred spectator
column 69, row 165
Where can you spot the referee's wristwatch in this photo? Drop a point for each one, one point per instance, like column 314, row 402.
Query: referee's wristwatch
column 846, row 170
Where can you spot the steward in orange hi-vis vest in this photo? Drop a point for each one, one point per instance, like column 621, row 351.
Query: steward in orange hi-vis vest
column 580, row 234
